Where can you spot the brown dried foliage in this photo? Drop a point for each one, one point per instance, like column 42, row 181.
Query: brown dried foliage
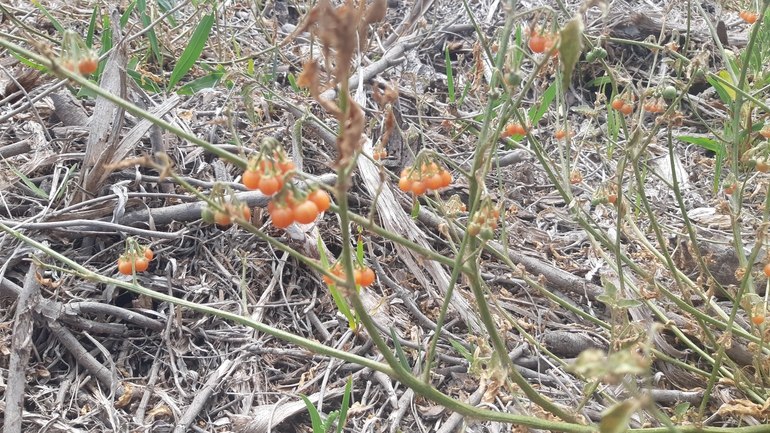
column 338, row 30
column 386, row 98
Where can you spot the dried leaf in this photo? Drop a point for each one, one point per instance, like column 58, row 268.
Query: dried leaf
column 571, row 47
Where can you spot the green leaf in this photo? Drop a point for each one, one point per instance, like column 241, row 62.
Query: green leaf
column 723, row 93
column 143, row 82
column 627, row 303
column 165, row 6
column 682, row 408
column 127, row 14
column 360, row 248
column 537, row 111
column 333, row 415
column 146, row 21
column 27, row 182
column 399, row 350
column 342, row 305
column 28, row 62
column 703, row 142
column 345, row 405
column 609, row 288
column 461, row 350
column 55, row 23
column 615, row 419
column 571, row 47
column 449, row 80
column 415, row 208
column 193, row 50
column 293, row 82
column 92, row 27
column 315, row 417
column 204, row 82
column 598, row 82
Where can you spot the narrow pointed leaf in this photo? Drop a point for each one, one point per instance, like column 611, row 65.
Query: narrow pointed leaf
column 193, row 50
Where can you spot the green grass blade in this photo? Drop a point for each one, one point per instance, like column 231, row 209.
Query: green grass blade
column 127, row 14
column 165, row 6
column 537, row 111
column 204, row 82
column 193, row 50
column 55, row 23
column 27, row 182
column 315, row 417
column 450, row 82
column 92, row 27
column 146, row 21
column 399, row 350
column 345, row 405
column 461, row 350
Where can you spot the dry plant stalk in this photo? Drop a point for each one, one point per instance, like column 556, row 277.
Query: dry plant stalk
column 339, row 30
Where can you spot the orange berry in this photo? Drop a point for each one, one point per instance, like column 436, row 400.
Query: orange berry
column 141, row 264
column 222, row 218
column 627, row 109
column 434, row 182
column 560, row 134
column 306, row 212
column 269, row 185
column 537, row 43
column 767, row 269
column 419, row 188
column 88, row 65
column 758, row 319
column 446, row 178
column 124, row 266
column 251, row 179
column 405, row 184
column 366, row 277
column 282, row 216
column 749, row 17
column 321, row 199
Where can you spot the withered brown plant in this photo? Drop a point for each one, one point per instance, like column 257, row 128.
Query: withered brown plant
column 339, row 29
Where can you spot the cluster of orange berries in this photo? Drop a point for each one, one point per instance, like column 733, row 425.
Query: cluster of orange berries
column 76, row 57
column 133, row 259
column 655, row 105
column 542, row 43
column 484, row 222
column 606, row 194
column 515, row 129
column 268, row 174
column 749, row 17
column 429, row 176
column 379, row 154
column 286, row 208
column 84, row 66
column 363, row 275
column 624, row 103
